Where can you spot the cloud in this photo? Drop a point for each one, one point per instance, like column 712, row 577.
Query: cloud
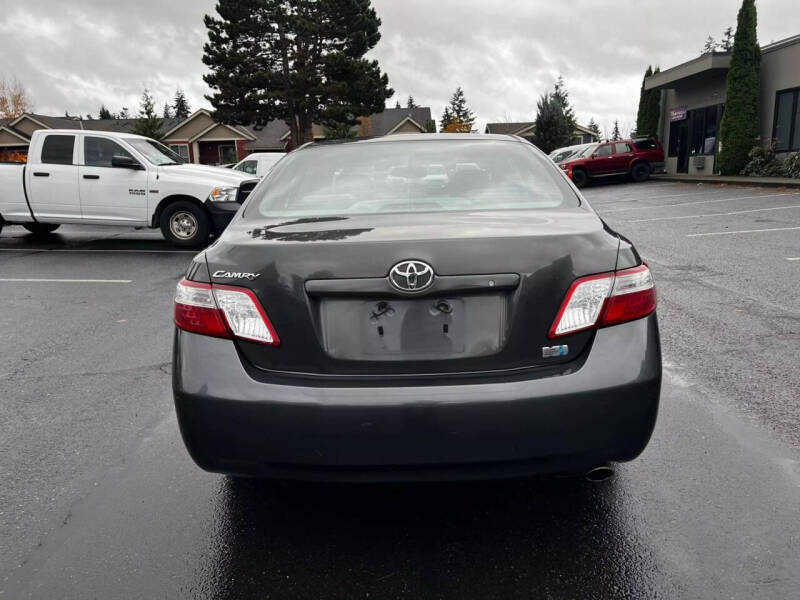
column 78, row 55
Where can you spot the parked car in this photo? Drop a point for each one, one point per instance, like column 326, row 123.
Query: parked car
column 258, row 163
column 491, row 327
column 560, row 154
column 96, row 177
column 634, row 158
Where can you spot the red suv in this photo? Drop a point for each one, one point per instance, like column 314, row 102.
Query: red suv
column 634, row 158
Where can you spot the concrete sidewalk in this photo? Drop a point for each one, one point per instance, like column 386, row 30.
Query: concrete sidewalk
column 732, row 180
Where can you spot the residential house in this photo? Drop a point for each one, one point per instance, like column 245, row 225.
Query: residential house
column 200, row 139
column 525, row 129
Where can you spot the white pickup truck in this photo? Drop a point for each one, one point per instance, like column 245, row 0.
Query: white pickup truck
column 97, row 177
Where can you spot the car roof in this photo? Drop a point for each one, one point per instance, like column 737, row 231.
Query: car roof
column 422, row 137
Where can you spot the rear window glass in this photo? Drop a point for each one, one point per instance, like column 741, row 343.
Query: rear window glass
column 647, row 144
column 57, row 149
column 410, row 176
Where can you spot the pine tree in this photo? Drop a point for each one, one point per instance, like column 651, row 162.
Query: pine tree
column 726, row 45
column 410, row 102
column 180, row 105
column 710, row 46
column 298, row 61
column 594, row 128
column 167, row 112
column 148, row 124
column 739, row 127
column 555, row 120
column 457, row 110
column 104, row 113
column 397, row 105
column 615, row 135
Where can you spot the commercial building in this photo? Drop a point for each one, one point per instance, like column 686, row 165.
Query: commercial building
column 693, row 102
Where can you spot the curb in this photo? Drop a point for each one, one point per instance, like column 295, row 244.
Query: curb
column 719, row 180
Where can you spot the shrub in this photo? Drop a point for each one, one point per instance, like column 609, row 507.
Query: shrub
column 791, row 166
column 762, row 162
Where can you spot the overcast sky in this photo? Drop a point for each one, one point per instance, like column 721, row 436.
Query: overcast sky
column 79, row 54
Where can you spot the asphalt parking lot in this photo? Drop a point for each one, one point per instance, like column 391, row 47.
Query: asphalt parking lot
column 100, row 499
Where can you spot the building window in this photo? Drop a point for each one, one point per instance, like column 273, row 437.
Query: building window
column 674, row 138
column 227, row 153
column 181, row 150
column 704, row 124
column 786, row 129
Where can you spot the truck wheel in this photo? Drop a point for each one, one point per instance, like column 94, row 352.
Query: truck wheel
column 183, row 223
column 640, row 172
column 41, row 228
column 579, row 177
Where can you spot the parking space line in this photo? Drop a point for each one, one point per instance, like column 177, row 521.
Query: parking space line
column 743, row 231
column 636, row 197
column 715, row 200
column 735, row 212
column 794, row 258
column 67, row 280
column 100, row 250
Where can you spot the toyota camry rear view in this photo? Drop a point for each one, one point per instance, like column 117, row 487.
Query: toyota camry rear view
column 416, row 307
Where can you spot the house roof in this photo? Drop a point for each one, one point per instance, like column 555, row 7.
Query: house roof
column 384, row 122
column 522, row 126
column 272, row 136
column 508, row 128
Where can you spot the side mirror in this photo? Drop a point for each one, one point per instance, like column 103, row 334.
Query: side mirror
column 125, row 162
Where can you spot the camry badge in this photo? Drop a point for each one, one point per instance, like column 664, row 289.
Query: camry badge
column 411, row 276
column 235, row 275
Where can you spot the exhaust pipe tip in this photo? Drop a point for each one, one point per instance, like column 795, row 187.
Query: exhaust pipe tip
column 599, row 474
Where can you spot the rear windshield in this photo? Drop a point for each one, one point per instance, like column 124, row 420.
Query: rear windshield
column 410, row 176
column 647, row 144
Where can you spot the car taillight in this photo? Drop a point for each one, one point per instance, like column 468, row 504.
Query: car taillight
column 222, row 311
column 606, row 299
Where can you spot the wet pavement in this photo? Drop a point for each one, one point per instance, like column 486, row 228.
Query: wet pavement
column 100, row 499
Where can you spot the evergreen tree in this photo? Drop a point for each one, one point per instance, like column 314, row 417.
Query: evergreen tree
column 298, row 61
column 726, row 45
column 339, row 131
column 555, row 120
column 410, row 102
column 148, row 124
column 615, row 135
column 167, row 112
column 710, row 46
column 594, row 128
column 739, row 127
column 104, row 113
column 457, row 110
column 644, row 95
column 397, row 104
column 180, row 105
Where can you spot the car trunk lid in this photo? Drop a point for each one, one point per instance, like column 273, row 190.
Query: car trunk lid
column 499, row 279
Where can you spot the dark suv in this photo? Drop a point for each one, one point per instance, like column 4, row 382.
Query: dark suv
column 634, row 158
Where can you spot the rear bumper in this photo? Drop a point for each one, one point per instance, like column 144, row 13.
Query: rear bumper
column 604, row 411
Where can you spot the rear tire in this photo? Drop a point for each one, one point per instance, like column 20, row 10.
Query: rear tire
column 640, row 172
column 184, row 223
column 579, row 177
column 41, row 228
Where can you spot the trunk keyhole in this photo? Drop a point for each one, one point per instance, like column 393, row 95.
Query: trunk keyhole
column 444, row 307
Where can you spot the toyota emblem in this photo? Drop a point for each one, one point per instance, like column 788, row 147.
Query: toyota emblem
column 411, row 276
